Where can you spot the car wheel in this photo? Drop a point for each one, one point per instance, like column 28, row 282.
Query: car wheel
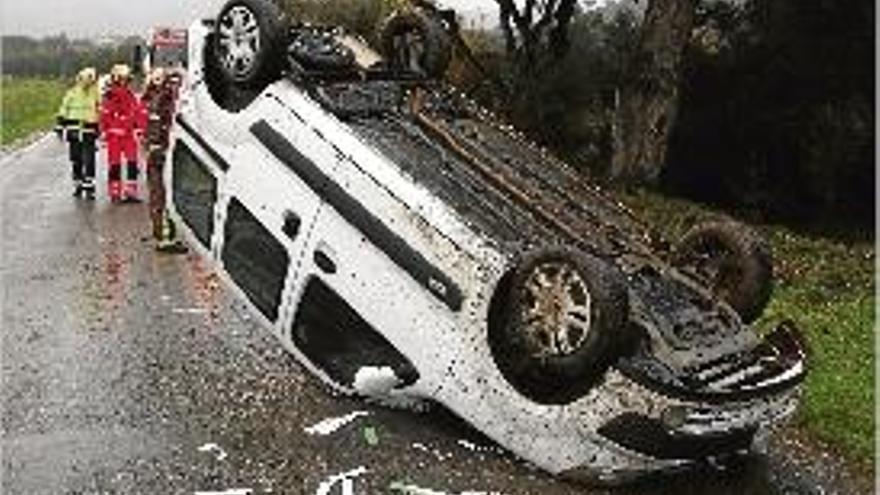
column 249, row 41
column 414, row 41
column 319, row 50
column 732, row 260
column 559, row 325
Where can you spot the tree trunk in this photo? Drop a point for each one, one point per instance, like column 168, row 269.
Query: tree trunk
column 648, row 100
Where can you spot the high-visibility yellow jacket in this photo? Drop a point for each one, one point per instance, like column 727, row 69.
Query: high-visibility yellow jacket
column 79, row 108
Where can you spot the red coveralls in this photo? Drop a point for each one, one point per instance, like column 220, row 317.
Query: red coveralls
column 123, row 119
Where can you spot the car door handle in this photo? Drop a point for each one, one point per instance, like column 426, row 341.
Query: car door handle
column 291, row 224
column 324, row 262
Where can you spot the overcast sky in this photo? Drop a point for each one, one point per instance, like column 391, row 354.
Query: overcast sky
column 95, row 18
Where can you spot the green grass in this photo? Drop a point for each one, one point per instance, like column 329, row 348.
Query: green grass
column 28, row 105
column 826, row 285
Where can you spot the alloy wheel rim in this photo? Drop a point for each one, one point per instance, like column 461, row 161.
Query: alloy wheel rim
column 239, row 41
column 555, row 316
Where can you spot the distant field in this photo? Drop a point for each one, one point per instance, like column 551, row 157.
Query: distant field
column 28, row 105
column 826, row 285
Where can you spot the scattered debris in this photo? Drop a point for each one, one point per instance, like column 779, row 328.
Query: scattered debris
column 371, row 436
column 375, row 380
column 345, row 479
column 428, row 450
column 404, row 489
column 479, row 448
column 189, row 311
column 213, row 447
column 330, row 425
column 233, row 491
column 398, row 487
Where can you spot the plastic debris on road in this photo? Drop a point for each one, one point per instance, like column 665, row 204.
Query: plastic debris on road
column 189, row 311
column 375, row 380
column 330, row 425
column 234, row 491
column 404, row 489
column 440, row 456
column 371, row 436
column 478, row 448
column 213, row 447
column 345, row 480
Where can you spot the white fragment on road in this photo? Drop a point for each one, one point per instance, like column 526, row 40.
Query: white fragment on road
column 404, row 489
column 213, row 447
column 470, row 446
column 434, row 452
column 346, row 480
column 375, row 380
column 478, row 448
column 233, row 491
column 330, row 425
column 189, row 311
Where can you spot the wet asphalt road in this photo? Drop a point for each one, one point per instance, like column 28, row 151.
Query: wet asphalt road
column 130, row 372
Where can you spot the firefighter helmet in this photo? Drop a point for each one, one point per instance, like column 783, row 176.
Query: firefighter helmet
column 120, row 72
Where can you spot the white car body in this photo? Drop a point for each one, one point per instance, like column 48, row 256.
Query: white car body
column 434, row 312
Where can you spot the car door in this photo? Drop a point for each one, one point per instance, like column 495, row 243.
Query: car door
column 269, row 209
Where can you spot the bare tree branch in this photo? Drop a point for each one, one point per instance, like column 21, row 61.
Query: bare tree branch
column 539, row 25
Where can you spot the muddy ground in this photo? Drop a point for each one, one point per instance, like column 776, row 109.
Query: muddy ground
column 130, row 372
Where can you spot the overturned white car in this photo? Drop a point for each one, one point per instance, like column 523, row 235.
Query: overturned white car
column 377, row 220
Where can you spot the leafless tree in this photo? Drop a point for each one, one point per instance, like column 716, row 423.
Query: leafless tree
column 535, row 27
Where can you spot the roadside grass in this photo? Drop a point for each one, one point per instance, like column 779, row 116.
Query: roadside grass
column 28, row 105
column 826, row 285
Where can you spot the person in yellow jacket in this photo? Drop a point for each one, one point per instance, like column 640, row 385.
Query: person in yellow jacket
column 77, row 123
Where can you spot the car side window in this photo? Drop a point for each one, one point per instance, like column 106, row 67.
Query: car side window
column 254, row 259
column 195, row 193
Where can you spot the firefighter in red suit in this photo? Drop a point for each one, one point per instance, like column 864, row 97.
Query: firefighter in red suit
column 123, row 119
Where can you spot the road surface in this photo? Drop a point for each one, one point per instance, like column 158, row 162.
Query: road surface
column 125, row 371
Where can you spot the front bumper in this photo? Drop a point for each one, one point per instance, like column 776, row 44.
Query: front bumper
column 703, row 425
column 774, row 366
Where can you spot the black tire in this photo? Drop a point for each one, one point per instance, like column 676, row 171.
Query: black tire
column 554, row 342
column 733, row 261
column 318, row 50
column 248, row 43
column 414, row 41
